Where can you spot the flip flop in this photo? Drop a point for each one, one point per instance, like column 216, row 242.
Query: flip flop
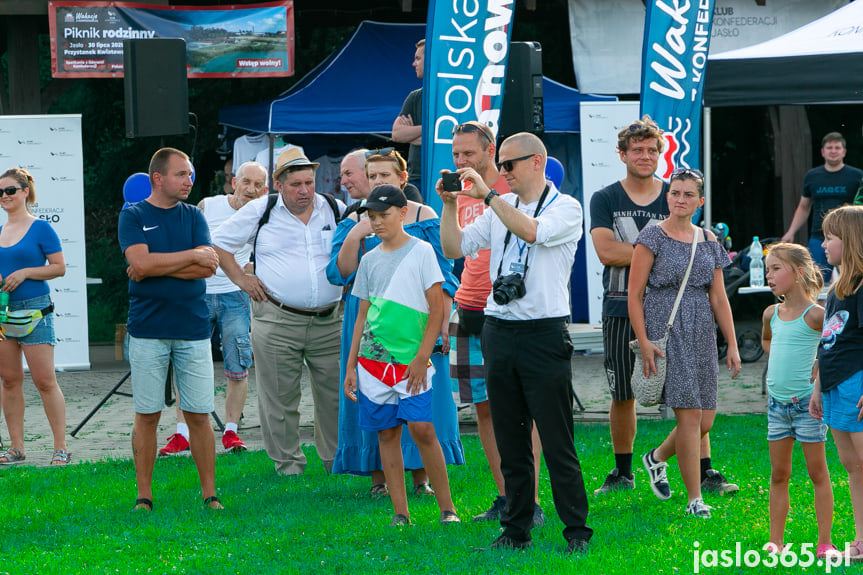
column 12, row 455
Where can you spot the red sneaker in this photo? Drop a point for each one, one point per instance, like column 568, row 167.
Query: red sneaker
column 232, row 442
column 177, row 445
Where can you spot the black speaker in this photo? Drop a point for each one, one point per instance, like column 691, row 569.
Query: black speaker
column 522, row 96
column 155, row 87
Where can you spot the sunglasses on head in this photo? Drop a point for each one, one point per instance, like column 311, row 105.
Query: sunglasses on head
column 688, row 172
column 507, row 164
column 469, row 128
column 10, row 191
column 639, row 125
column 380, row 152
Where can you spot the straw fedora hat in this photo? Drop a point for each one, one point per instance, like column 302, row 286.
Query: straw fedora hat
column 292, row 158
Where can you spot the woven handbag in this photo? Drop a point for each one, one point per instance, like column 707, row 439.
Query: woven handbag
column 648, row 389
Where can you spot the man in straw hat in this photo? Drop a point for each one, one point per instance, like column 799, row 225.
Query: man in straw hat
column 296, row 318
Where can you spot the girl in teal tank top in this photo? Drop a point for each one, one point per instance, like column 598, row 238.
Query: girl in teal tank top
column 790, row 333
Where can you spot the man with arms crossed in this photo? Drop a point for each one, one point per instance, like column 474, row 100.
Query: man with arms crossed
column 533, row 234
column 408, row 126
column 167, row 245
column 228, row 307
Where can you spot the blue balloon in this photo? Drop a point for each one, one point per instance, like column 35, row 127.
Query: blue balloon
column 137, row 188
column 554, row 171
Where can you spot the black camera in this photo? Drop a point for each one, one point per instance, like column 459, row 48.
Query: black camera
column 507, row 288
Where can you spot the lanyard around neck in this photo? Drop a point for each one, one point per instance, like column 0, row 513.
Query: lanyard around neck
column 509, row 233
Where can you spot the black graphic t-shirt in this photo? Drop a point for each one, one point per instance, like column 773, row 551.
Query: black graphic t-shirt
column 829, row 190
column 840, row 354
column 612, row 208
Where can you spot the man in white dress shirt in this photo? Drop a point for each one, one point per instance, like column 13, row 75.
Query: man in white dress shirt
column 296, row 318
column 532, row 233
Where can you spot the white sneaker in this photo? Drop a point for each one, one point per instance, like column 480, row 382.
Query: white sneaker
column 699, row 508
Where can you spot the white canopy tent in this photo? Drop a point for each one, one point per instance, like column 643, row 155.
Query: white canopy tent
column 819, row 63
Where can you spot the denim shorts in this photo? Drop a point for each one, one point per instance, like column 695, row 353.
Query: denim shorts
column 840, row 404
column 231, row 312
column 193, row 373
column 44, row 330
column 792, row 419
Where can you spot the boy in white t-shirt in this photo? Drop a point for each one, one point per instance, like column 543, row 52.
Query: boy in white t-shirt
column 388, row 371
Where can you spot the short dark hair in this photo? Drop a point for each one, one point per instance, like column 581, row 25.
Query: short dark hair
column 159, row 161
column 833, row 137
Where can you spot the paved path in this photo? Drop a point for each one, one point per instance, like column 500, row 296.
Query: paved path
column 107, row 435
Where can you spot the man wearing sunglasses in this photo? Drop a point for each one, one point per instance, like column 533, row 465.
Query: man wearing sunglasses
column 473, row 147
column 618, row 213
column 408, row 126
column 532, row 234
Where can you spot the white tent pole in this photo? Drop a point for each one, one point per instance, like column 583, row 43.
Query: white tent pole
column 708, row 153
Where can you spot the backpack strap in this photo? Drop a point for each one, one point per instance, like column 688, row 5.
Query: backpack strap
column 265, row 217
column 334, row 205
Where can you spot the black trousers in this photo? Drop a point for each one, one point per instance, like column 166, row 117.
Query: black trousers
column 529, row 377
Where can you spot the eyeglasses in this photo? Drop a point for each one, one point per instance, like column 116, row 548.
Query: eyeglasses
column 687, row 172
column 471, row 128
column 10, row 191
column 380, row 152
column 507, row 164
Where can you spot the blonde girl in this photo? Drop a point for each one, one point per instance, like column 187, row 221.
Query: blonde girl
column 790, row 333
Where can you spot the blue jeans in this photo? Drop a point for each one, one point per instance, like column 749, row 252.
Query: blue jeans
column 231, row 312
column 792, row 419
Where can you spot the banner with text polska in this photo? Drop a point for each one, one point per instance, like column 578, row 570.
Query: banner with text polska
column 674, row 59
column 230, row 42
column 466, row 52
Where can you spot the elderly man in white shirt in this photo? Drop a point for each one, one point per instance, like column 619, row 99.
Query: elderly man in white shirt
column 532, row 233
column 296, row 318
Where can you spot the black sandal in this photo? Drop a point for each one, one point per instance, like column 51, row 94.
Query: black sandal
column 211, row 499
column 143, row 501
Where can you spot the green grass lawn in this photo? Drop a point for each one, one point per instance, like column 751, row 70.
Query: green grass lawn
column 79, row 520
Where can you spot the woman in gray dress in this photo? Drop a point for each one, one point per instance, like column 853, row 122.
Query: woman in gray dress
column 659, row 263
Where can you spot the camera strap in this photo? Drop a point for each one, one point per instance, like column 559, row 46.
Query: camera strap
column 509, row 234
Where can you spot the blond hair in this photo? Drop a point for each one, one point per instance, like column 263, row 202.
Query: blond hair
column 846, row 223
column 801, row 263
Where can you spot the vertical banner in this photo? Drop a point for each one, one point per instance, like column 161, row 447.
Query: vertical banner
column 600, row 166
column 674, row 60
column 466, row 51
column 49, row 147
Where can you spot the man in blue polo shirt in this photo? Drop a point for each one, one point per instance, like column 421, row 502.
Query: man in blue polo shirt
column 167, row 245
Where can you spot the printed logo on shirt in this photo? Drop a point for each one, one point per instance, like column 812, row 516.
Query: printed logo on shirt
column 833, row 327
column 147, row 229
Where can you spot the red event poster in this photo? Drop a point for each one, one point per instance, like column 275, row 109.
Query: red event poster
column 221, row 41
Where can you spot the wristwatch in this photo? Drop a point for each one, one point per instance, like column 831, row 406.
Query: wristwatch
column 491, row 194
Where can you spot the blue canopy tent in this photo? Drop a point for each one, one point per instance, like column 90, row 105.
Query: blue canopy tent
column 356, row 93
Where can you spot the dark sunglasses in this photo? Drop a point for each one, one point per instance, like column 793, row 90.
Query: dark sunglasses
column 468, row 128
column 10, row 191
column 688, row 172
column 507, row 164
column 639, row 125
column 380, row 152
